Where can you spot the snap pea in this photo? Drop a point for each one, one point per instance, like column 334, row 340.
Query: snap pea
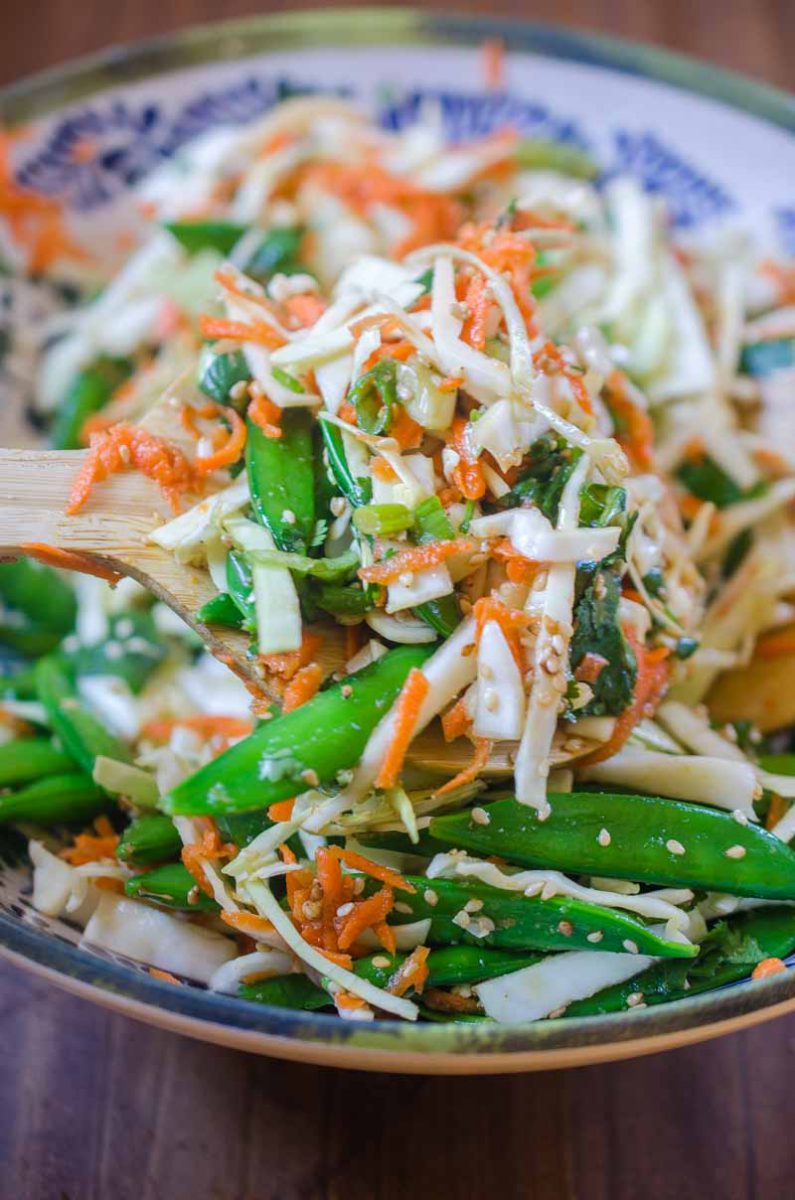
column 56, row 799
column 242, row 828
column 281, row 478
column 171, row 885
column 522, row 922
column 25, row 759
column 443, row 615
column 19, row 684
column 151, row 838
column 446, row 967
column 286, row 991
column 28, row 639
column 357, row 490
column 89, row 392
column 351, row 601
column 40, row 593
column 194, row 236
column 277, row 254
column 220, row 610
column 218, row 373
column 302, row 749
column 82, row 736
column 729, row 953
column 645, row 834
column 131, row 651
column 240, row 584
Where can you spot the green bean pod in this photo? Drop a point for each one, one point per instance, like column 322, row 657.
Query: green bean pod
column 645, row 839
column 90, row 391
column 729, row 953
column 151, row 838
column 443, row 615
column 218, row 374
column 302, row 749
column 171, row 885
column 240, row 583
column 56, row 799
column 25, row 759
column 281, row 479
column 40, row 593
column 194, row 236
column 358, row 491
column 80, row 733
column 220, row 610
column 512, row 921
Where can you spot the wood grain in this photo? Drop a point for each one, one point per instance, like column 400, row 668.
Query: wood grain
column 93, row 1105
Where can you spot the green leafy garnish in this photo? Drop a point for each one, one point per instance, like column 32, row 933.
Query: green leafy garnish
column 597, row 631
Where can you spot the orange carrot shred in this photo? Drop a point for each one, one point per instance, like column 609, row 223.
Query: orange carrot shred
column 412, row 973
column 260, row 332
column 68, row 560
column 302, row 687
column 231, row 448
column 776, row 809
column 417, row 558
column 164, row 976
column 282, row 810
column 468, row 473
column 247, row 923
column 407, row 710
column 456, row 721
column 358, row 862
column 265, row 414
column 768, row 967
column 125, row 446
column 479, row 761
column 364, row 915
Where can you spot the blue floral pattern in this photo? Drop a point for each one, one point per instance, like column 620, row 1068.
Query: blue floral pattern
column 95, row 154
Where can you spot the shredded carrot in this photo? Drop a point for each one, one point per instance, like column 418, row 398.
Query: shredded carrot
column 287, row 665
column 36, row 222
column 231, row 449
column 248, row 923
column 357, row 862
column 349, row 1002
column 282, row 811
column 383, row 470
column 164, row 976
column 550, row 359
column 89, row 847
column 651, row 682
column 265, row 414
column 479, row 305
column 417, row 558
column 776, row 644
column 334, row 956
column 407, row 710
column 399, row 351
column 126, row 446
column 776, row 810
column 365, row 914
column 209, row 849
column 304, row 309
column 444, row 1001
column 456, row 721
column 450, row 383
column 634, row 429
column 407, row 432
column 479, row 762
column 386, row 936
column 768, row 967
column 590, row 667
column 353, row 641
column 512, row 622
column 287, row 855
column 347, row 412
column 260, row 332
column 68, row 560
column 302, row 687
column 782, row 276
column 412, row 973
column 205, row 724
column 468, row 473
column 335, row 893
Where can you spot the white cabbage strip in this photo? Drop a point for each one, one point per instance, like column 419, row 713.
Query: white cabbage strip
column 555, row 982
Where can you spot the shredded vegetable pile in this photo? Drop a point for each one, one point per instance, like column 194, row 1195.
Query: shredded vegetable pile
column 479, row 408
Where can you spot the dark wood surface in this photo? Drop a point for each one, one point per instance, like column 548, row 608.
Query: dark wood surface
column 95, row 1106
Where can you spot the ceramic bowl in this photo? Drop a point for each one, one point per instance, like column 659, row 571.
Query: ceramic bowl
column 716, row 147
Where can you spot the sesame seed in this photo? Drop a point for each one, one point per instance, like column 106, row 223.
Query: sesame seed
column 481, row 927
column 311, row 909
column 630, row 946
column 634, row 999
column 548, row 890
column 480, row 816
column 344, row 909
column 486, row 672
column 551, row 664
column 566, row 928
column 124, row 628
column 557, row 643
column 595, row 937
column 358, row 887
column 403, row 908
column 381, row 960
column 462, row 919
column 735, row 852
column 338, row 505
column 674, row 847
column 124, row 454
column 407, row 578
column 740, row 817
column 491, row 700
column 473, row 905
column 114, row 650
column 288, row 516
column 346, row 691
column 604, row 838
column 238, row 390
column 557, row 1012
column 430, row 897
column 311, row 777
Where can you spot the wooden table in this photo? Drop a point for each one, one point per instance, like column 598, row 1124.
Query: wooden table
column 95, row 1106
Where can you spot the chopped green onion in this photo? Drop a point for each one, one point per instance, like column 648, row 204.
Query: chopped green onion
column 374, row 395
column 287, row 380
column 383, row 520
column 431, row 522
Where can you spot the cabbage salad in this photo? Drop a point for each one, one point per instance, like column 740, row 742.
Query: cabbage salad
column 480, row 415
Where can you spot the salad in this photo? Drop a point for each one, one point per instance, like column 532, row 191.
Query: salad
column 484, row 412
